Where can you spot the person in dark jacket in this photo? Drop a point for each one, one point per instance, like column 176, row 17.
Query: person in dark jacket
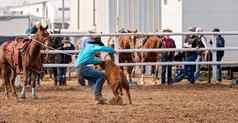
column 167, row 42
column 220, row 42
column 64, row 59
column 188, row 71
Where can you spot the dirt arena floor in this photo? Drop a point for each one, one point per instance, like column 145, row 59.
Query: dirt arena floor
column 181, row 103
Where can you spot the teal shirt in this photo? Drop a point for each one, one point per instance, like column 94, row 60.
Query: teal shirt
column 87, row 55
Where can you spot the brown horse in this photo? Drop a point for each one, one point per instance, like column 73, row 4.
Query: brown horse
column 127, row 42
column 12, row 62
column 150, row 42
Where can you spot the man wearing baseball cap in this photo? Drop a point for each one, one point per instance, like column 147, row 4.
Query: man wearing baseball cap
column 85, row 59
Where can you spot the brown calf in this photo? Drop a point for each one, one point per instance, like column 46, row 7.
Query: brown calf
column 117, row 80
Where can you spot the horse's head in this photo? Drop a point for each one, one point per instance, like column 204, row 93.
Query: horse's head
column 42, row 35
column 107, row 60
column 132, row 38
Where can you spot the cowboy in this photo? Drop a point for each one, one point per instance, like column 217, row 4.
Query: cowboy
column 202, row 42
column 85, row 59
column 167, row 42
column 220, row 43
column 83, row 41
column 190, row 56
column 63, row 59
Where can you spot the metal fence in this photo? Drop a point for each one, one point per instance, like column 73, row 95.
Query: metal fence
column 118, row 50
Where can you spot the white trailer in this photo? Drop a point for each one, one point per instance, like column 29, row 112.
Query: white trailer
column 15, row 25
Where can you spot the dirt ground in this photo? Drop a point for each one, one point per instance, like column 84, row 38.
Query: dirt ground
column 181, row 103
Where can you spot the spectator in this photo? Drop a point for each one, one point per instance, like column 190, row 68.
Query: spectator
column 201, row 43
column 220, row 42
column 167, row 42
column 64, row 59
column 190, row 56
column 85, row 59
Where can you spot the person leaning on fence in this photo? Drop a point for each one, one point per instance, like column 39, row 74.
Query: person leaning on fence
column 202, row 42
column 188, row 71
column 167, row 42
column 85, row 59
column 220, row 42
column 63, row 59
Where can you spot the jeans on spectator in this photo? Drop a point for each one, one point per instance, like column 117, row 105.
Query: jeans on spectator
column 61, row 75
column 166, row 75
column 95, row 78
column 219, row 69
column 188, row 71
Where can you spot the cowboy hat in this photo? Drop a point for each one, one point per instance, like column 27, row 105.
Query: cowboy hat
column 92, row 29
column 167, row 30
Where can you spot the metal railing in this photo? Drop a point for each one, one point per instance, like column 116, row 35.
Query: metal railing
column 213, row 49
column 125, row 34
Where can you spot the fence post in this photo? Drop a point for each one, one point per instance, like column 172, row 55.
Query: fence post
column 214, row 59
column 116, row 55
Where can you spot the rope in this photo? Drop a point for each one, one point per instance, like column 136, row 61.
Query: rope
column 51, row 47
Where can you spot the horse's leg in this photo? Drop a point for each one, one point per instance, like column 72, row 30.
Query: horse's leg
column 6, row 90
column 33, row 86
column 25, row 80
column 208, row 57
column 130, row 68
column 142, row 70
column 154, row 73
column 12, row 83
column 4, row 75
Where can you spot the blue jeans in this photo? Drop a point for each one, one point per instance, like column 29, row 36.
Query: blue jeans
column 166, row 75
column 188, row 71
column 61, row 75
column 95, row 78
column 219, row 69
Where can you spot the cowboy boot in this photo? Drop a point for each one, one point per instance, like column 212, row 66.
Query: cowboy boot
column 100, row 100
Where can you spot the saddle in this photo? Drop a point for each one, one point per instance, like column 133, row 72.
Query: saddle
column 16, row 49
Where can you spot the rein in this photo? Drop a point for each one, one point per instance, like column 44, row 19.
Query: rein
column 50, row 47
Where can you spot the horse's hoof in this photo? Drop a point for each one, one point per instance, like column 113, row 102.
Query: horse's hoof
column 120, row 101
column 112, row 101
